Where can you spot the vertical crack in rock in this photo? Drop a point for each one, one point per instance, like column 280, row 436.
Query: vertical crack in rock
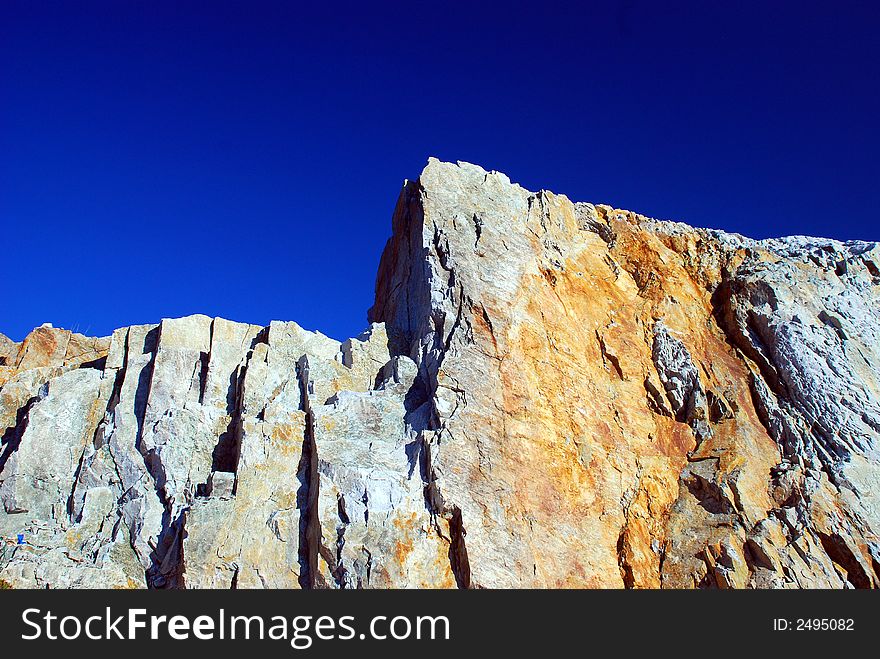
column 458, row 556
column 338, row 571
column 204, row 360
column 227, row 451
column 626, row 570
column 478, row 229
column 307, row 494
column 169, row 567
column 166, row 568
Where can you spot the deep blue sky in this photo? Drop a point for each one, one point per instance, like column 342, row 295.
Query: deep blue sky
column 243, row 159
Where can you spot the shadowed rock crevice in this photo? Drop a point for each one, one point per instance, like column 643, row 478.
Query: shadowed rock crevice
column 626, row 570
column 168, row 566
column 12, row 437
column 839, row 552
column 307, row 494
column 226, row 453
column 458, row 555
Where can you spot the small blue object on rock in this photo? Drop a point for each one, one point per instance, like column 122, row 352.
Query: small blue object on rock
column 20, row 539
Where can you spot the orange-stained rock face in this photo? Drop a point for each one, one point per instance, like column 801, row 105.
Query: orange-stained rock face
column 48, row 347
column 599, row 419
column 551, row 394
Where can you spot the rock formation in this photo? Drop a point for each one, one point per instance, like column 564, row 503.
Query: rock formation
column 550, row 394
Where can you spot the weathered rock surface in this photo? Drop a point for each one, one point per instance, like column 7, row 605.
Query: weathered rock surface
column 550, row 394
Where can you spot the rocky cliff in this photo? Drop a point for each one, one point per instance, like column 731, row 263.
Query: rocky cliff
column 550, row 394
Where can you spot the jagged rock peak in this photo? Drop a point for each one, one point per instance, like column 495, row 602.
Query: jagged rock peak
column 549, row 394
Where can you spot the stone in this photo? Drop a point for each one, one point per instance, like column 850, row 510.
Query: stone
column 8, row 350
column 549, row 394
column 220, row 484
